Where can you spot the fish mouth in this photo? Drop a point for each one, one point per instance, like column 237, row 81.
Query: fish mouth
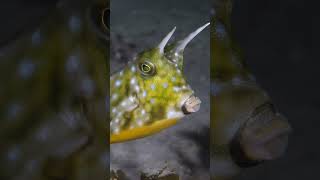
column 191, row 105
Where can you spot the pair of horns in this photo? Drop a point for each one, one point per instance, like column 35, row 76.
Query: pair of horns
column 183, row 43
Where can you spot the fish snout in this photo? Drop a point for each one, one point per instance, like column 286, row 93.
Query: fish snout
column 191, row 105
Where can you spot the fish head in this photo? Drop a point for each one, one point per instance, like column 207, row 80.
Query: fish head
column 163, row 86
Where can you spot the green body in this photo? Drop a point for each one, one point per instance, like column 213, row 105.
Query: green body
column 138, row 99
column 53, row 92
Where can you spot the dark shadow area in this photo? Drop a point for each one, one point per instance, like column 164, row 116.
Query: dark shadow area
column 18, row 16
column 280, row 40
column 201, row 139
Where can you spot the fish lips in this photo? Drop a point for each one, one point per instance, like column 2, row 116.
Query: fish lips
column 191, row 105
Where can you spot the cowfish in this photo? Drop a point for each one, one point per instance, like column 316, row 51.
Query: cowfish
column 53, row 90
column 246, row 128
column 151, row 93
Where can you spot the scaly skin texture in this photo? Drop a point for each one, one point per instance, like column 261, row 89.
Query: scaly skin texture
column 53, row 92
column 245, row 127
column 139, row 100
column 150, row 93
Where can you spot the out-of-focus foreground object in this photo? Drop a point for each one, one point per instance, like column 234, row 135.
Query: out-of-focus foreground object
column 246, row 130
column 53, row 96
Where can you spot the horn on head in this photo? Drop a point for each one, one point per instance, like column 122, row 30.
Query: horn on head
column 165, row 40
column 184, row 42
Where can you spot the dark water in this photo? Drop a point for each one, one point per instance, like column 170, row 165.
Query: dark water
column 281, row 42
column 17, row 16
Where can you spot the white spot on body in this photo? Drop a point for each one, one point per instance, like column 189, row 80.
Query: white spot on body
column 133, row 68
column 132, row 99
column 117, row 120
column 114, row 97
column 143, row 112
column 119, row 113
column 144, row 94
column 116, row 130
column 133, row 81
column 153, row 86
column 136, row 88
column 123, row 103
column 176, row 89
column 36, row 38
column 111, row 124
column 13, row 110
column 165, row 85
column 152, row 101
column 71, row 119
column 129, row 104
column 72, row 64
column 173, row 79
column 87, row 86
column 140, row 122
column 112, row 78
column 118, row 83
column 26, row 69
column 74, row 24
column 174, row 114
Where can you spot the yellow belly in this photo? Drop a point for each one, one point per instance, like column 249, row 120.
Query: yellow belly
column 142, row 131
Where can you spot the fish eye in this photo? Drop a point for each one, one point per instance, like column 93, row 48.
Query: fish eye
column 147, row 68
column 99, row 19
column 105, row 21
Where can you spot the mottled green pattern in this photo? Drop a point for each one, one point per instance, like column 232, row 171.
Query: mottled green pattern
column 138, row 99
